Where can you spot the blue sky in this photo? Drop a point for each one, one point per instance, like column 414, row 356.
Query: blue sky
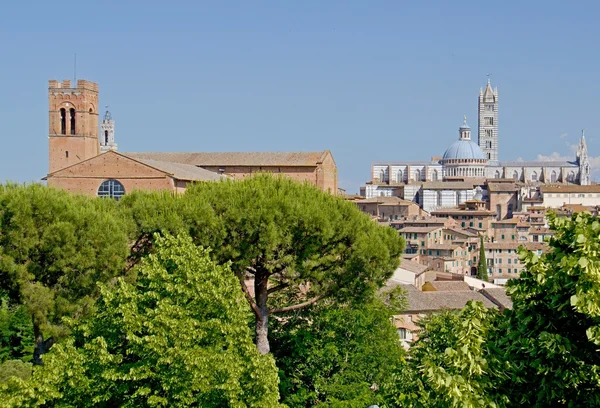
column 368, row 80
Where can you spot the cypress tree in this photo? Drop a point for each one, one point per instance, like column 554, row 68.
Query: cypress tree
column 482, row 265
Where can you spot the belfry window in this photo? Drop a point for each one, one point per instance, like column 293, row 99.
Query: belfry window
column 111, row 189
column 72, row 119
column 106, row 137
column 63, row 121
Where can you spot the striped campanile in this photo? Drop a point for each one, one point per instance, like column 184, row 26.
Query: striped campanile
column 488, row 122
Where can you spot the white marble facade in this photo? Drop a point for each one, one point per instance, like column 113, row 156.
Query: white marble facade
column 452, row 179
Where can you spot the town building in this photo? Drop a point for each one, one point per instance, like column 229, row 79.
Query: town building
column 452, row 179
column 556, row 196
column 82, row 161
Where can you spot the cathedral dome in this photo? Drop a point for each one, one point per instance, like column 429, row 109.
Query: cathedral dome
column 464, row 150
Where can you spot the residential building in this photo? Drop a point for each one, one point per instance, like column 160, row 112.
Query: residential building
column 556, row 196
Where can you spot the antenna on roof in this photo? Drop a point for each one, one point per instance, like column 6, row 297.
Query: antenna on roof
column 75, row 70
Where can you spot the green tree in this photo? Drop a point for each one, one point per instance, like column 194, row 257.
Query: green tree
column 177, row 337
column 451, row 363
column 550, row 339
column 297, row 243
column 16, row 332
column 54, row 248
column 14, row 368
column 334, row 354
column 482, row 265
column 289, row 244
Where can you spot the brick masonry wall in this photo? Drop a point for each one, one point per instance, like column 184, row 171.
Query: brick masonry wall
column 87, row 176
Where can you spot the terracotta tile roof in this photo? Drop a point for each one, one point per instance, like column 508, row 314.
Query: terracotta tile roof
column 461, row 231
column 507, row 221
column 385, row 201
column 498, row 296
column 575, row 208
column 502, row 187
column 418, row 230
column 458, row 211
column 428, row 220
column 237, row 158
column 449, row 247
column 535, row 246
column 444, row 286
column 185, row 172
column 412, row 266
column 422, row 302
column 571, row 188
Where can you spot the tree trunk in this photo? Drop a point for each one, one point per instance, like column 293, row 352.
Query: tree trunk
column 262, row 317
column 41, row 346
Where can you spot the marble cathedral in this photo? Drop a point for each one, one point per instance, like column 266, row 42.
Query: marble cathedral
column 466, row 166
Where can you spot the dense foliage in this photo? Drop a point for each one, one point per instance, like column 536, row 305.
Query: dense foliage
column 551, row 338
column 451, row 365
column 289, row 244
column 144, row 320
column 54, row 249
column 16, row 332
column 175, row 338
column 336, row 354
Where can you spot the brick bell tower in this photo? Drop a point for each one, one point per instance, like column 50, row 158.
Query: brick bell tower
column 73, row 124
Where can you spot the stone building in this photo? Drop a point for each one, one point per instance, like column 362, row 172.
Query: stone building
column 82, row 161
column 452, row 179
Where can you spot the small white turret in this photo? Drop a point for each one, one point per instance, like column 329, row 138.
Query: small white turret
column 107, row 133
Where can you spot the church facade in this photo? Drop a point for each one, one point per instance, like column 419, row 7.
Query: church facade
column 455, row 177
column 83, row 161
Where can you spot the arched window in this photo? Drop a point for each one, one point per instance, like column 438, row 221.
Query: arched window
column 516, row 175
column 439, row 198
column 553, row 177
column 434, row 175
column 457, row 197
column 382, row 175
column 111, row 189
column 497, row 175
column 534, row 176
column 571, row 177
column 399, row 178
column 417, row 175
column 63, row 121
column 106, row 137
column 72, row 119
column 509, row 211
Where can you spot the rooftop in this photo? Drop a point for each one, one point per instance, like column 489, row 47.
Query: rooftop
column 502, row 187
column 420, row 302
column 445, row 286
column 183, row 171
column 571, row 188
column 412, row 266
column 264, row 159
column 498, row 296
column 418, row 230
